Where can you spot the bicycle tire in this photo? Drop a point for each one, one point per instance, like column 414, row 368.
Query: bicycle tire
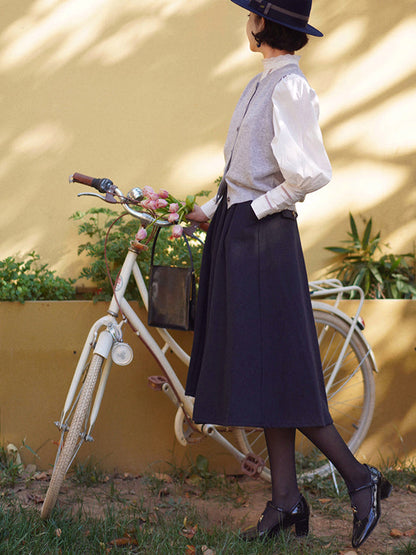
column 73, row 435
column 353, row 423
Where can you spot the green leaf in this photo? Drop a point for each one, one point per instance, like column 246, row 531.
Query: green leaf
column 367, row 234
column 354, row 232
column 376, row 273
column 340, row 250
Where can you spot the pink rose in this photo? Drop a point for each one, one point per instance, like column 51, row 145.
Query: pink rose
column 177, row 231
column 161, row 203
column 154, row 196
column 163, row 193
column 173, row 217
column 153, row 204
column 141, row 234
column 174, row 207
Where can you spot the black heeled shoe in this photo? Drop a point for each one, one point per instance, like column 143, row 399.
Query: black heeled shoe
column 298, row 516
column 380, row 489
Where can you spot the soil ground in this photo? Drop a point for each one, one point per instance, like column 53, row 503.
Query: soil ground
column 238, row 505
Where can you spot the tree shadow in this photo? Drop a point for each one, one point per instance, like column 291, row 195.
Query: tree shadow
column 144, row 94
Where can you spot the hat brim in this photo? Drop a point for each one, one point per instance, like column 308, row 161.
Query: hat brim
column 308, row 29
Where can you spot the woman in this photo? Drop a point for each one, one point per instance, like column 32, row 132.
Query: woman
column 255, row 359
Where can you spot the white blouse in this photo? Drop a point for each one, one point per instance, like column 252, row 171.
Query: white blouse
column 297, row 144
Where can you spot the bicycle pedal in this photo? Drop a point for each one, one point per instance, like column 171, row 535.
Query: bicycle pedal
column 252, row 465
column 156, row 382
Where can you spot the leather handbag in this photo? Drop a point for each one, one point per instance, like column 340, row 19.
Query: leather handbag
column 172, row 294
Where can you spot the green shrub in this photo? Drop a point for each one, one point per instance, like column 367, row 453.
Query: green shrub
column 95, row 223
column 9, row 469
column 386, row 276
column 28, row 280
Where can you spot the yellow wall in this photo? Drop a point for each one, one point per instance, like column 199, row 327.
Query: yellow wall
column 38, row 351
column 143, row 92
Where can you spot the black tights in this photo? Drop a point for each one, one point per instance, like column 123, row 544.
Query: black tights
column 281, row 449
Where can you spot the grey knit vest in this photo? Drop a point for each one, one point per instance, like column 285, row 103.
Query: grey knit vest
column 251, row 168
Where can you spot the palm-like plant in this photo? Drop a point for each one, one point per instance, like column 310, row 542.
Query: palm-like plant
column 387, row 276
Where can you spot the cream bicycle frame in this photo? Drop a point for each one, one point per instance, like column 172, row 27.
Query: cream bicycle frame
column 108, row 330
column 120, row 305
column 184, row 403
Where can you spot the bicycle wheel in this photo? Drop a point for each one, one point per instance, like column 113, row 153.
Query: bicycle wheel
column 74, row 437
column 351, row 397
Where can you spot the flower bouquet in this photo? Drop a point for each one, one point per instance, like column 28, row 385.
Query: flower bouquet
column 163, row 206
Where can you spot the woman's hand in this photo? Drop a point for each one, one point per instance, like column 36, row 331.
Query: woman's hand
column 197, row 215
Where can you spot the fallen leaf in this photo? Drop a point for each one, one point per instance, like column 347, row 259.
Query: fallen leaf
column 410, row 533
column 324, row 500
column 58, row 532
column 190, row 550
column 36, row 498
column 189, row 532
column 241, row 501
column 395, row 533
column 41, row 476
column 207, row 551
column 412, row 488
column 163, row 477
column 125, row 540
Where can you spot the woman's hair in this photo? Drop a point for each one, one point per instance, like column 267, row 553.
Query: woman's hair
column 281, row 37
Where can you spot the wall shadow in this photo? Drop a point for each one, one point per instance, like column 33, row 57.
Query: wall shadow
column 144, row 94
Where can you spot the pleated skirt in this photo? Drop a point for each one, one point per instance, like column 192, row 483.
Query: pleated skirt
column 255, row 359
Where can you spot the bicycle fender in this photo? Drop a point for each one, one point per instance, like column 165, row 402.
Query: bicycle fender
column 104, row 344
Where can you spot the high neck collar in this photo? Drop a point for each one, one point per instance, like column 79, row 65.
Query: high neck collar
column 279, row 61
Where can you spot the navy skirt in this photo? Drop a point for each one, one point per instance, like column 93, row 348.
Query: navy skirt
column 255, row 358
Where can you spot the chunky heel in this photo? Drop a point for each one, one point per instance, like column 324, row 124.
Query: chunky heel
column 380, row 488
column 385, row 488
column 298, row 516
column 302, row 527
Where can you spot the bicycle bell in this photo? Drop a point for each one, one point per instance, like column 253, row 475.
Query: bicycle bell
column 122, row 354
column 135, row 194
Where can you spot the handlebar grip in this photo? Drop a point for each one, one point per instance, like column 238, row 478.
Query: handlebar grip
column 102, row 185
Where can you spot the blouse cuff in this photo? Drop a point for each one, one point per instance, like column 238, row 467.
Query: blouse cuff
column 271, row 202
column 209, row 208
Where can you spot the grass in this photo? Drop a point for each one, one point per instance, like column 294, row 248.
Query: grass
column 88, row 473
column 170, row 525
column 197, row 475
column 167, row 530
column 401, row 473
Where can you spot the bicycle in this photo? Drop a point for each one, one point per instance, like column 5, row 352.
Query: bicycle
column 347, row 358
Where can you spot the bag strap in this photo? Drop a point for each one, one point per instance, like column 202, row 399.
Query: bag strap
column 187, row 244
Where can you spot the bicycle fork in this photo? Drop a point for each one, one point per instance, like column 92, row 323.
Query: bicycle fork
column 109, row 345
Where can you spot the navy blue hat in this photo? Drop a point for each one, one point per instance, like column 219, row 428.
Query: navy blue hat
column 290, row 13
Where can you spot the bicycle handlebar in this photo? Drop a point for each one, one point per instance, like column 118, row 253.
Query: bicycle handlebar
column 105, row 185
